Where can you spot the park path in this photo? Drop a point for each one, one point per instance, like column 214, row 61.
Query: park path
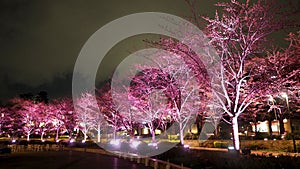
column 65, row 160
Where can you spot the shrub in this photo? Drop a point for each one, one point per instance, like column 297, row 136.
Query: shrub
column 261, row 136
column 257, row 146
column 224, row 135
column 296, row 136
column 220, row 144
column 207, row 144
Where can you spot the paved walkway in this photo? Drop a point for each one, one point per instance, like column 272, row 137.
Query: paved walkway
column 65, row 160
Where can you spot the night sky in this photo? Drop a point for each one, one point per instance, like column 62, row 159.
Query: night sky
column 41, row 39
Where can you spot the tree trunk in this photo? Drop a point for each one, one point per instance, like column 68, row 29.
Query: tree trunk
column 270, row 127
column 85, row 136
column 216, row 132
column 57, row 131
column 42, row 136
column 281, row 125
column 181, row 133
column 114, row 133
column 153, row 136
column 99, row 133
column 235, row 133
column 255, row 126
column 28, row 135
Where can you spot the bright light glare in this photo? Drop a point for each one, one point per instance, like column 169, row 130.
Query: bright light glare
column 230, row 148
column 115, row 142
column 13, row 141
column 186, row 146
column 152, row 144
column 72, row 140
column 83, row 141
column 284, row 95
column 135, row 143
column 271, row 98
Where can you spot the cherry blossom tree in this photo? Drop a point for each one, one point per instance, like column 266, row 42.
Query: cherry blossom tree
column 29, row 113
column 123, row 104
column 63, row 114
column 183, row 89
column 238, row 34
column 43, row 119
column 13, row 119
column 109, row 110
column 281, row 70
column 3, row 119
column 95, row 119
column 57, row 118
column 86, row 113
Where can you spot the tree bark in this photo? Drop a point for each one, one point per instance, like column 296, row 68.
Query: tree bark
column 281, row 125
column 98, row 133
column 42, row 136
column 181, row 134
column 57, row 131
column 114, row 133
column 28, row 135
column 235, row 133
column 153, row 136
column 270, row 127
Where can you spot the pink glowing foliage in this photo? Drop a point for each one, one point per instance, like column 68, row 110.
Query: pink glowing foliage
column 166, row 93
column 62, row 116
column 110, row 112
column 238, row 33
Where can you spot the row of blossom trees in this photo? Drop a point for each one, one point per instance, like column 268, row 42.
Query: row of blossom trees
column 170, row 92
column 25, row 117
column 248, row 72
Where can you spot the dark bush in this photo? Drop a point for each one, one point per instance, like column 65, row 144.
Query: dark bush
column 246, row 151
column 296, row 136
column 23, row 142
column 261, row 136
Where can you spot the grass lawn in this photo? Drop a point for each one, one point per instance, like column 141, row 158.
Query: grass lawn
column 227, row 160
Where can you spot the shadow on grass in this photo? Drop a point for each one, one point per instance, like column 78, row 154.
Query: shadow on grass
column 226, row 160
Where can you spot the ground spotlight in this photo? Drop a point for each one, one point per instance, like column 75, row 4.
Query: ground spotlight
column 115, row 142
column 135, row 143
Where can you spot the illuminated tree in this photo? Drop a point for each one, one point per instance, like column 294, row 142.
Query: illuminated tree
column 92, row 117
column 86, row 113
column 62, row 117
column 124, row 106
column 29, row 114
column 280, row 69
column 182, row 88
column 5, row 120
column 56, row 118
column 43, row 119
column 109, row 110
column 13, row 119
column 238, row 35
column 150, row 103
column 167, row 90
